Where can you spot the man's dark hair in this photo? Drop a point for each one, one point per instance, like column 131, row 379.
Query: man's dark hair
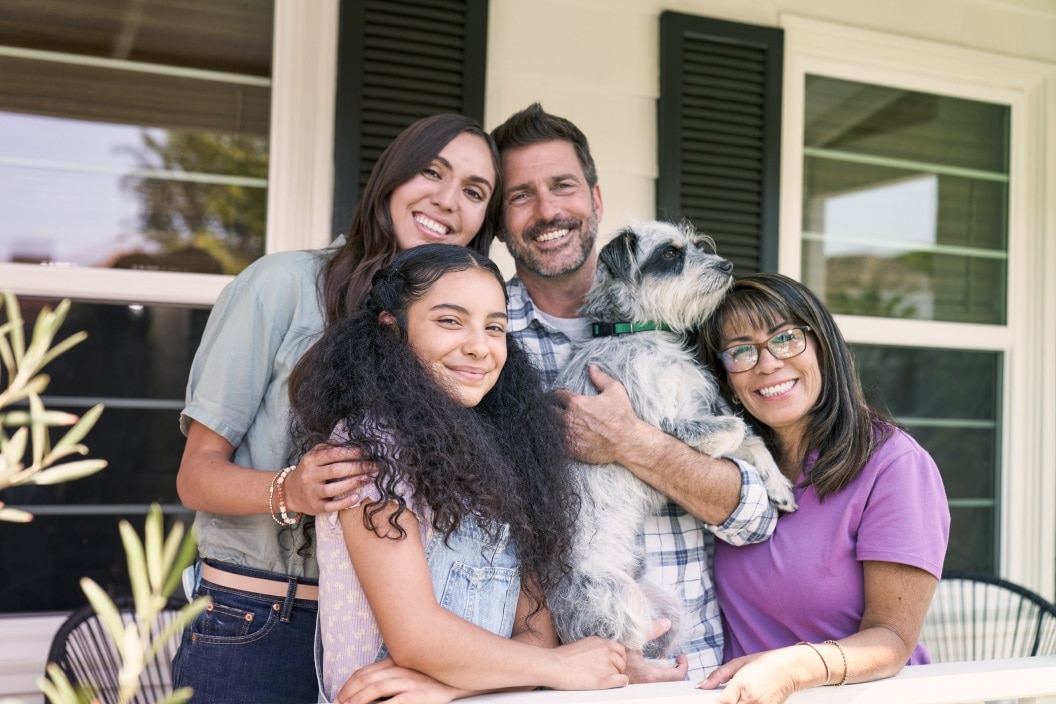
column 534, row 125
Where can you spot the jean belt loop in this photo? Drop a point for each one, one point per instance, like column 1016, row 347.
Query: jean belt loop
column 291, row 597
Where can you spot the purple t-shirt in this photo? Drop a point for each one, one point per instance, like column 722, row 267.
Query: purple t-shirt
column 806, row 582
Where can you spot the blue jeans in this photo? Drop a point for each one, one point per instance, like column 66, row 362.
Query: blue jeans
column 247, row 647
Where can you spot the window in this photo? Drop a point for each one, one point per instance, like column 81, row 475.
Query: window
column 132, row 138
column 157, row 151
column 905, row 202
column 135, row 361
column 919, row 222
column 905, row 216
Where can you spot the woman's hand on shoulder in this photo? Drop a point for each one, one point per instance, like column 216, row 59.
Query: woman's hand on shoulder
column 591, row 663
column 326, row 479
column 762, row 678
column 385, row 680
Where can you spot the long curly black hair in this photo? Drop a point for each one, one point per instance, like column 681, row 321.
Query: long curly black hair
column 503, row 461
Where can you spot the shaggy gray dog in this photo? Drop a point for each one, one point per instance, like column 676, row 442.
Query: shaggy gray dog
column 655, row 283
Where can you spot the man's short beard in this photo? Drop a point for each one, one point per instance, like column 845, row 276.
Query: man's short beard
column 526, row 260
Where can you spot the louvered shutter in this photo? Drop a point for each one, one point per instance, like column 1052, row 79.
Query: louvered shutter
column 719, row 134
column 398, row 62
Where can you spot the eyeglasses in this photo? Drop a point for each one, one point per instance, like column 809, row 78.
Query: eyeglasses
column 784, row 345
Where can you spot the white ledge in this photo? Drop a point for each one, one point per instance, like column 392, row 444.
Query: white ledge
column 1030, row 680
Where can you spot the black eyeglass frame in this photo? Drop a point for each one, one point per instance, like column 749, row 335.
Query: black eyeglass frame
column 727, row 359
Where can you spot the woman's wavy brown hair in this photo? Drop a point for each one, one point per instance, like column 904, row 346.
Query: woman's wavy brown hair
column 844, row 430
column 371, row 242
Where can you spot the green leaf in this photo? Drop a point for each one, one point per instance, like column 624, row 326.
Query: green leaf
column 38, row 431
column 14, row 314
column 14, row 515
column 6, row 355
column 52, row 419
column 75, row 434
column 57, row 687
column 153, row 544
column 169, row 554
column 67, row 472
column 183, row 618
column 23, row 388
column 178, row 697
column 137, row 567
column 15, row 450
column 106, row 611
column 186, row 556
column 74, row 339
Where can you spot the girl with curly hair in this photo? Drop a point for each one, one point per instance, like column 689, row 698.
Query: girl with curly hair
column 468, row 517
column 438, row 181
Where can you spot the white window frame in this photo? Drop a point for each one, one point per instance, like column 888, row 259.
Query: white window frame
column 300, row 172
column 1027, row 547
column 300, row 188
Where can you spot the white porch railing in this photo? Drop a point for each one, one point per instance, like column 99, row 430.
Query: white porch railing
column 1022, row 680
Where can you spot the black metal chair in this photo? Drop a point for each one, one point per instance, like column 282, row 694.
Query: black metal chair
column 981, row 617
column 83, row 649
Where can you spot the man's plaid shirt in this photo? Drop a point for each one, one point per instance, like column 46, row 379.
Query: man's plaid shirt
column 678, row 544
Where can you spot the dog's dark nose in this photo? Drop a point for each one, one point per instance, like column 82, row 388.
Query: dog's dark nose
column 725, row 265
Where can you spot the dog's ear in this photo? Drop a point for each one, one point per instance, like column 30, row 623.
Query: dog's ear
column 619, row 256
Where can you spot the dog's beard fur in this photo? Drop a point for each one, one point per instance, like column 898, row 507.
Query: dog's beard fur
column 662, row 273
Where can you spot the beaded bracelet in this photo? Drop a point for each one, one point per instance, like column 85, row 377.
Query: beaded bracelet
column 828, row 674
column 844, row 656
column 275, row 491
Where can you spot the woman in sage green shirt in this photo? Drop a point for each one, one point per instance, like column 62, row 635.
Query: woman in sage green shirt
column 437, row 182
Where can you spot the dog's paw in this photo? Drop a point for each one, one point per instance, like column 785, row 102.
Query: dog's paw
column 721, row 436
column 779, row 489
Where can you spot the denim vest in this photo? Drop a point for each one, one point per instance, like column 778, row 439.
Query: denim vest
column 473, row 577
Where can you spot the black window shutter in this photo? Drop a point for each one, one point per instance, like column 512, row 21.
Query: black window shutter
column 398, row 62
column 719, row 120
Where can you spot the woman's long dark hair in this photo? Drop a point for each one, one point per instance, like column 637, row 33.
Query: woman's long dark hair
column 843, row 428
column 503, row 461
column 371, row 242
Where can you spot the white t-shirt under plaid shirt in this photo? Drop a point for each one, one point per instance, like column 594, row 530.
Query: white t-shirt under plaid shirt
column 678, row 544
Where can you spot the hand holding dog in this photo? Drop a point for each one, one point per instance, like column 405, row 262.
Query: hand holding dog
column 598, row 425
column 591, row 663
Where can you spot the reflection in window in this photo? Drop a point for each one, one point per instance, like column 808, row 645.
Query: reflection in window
column 130, row 140
column 135, row 361
column 905, row 203
column 957, row 422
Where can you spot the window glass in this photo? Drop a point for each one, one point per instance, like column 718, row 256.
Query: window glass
column 135, row 361
column 905, row 204
column 133, row 137
column 947, row 400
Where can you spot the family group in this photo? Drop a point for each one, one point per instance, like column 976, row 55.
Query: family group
column 378, row 460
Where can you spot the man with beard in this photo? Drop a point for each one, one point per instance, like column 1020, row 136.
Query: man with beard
column 551, row 207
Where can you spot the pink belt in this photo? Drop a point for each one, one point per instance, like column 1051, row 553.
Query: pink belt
column 257, row 585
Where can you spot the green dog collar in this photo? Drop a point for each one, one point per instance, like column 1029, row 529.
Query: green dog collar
column 609, row 329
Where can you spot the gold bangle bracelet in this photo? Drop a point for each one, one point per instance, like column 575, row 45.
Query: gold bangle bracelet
column 843, row 655
column 828, row 674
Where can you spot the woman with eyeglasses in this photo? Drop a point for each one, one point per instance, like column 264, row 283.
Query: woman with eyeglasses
column 839, row 593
